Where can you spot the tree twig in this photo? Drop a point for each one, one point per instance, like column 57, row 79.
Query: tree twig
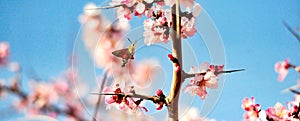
column 99, row 97
column 105, row 7
column 155, row 99
column 291, row 30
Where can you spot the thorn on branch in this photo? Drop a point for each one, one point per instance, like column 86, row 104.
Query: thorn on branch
column 230, row 71
column 186, row 75
column 295, row 91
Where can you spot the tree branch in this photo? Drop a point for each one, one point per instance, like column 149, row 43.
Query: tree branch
column 99, row 97
column 17, row 91
column 173, row 97
column 291, row 30
column 155, row 99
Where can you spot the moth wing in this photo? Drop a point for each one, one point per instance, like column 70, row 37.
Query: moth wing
column 123, row 53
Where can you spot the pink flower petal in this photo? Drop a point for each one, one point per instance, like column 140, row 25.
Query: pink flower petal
column 140, row 8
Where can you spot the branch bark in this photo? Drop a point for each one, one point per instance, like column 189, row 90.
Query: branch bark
column 173, row 98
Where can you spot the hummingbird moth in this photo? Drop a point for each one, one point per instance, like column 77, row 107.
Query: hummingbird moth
column 126, row 53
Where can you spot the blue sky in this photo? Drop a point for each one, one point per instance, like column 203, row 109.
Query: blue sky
column 41, row 35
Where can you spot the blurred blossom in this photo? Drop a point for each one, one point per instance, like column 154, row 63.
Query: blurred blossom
column 90, row 9
column 14, row 66
column 4, row 52
column 92, row 26
column 103, row 54
column 193, row 115
column 61, row 86
column 184, row 3
column 75, row 107
column 128, row 3
column 144, row 71
column 196, row 10
column 282, row 69
column 43, row 94
column 21, row 104
column 124, row 13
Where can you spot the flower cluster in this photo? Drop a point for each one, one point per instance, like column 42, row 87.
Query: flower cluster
column 136, row 7
column 45, row 98
column 277, row 113
column 157, row 27
column 252, row 109
column 282, row 68
column 118, row 98
column 188, row 22
column 201, row 81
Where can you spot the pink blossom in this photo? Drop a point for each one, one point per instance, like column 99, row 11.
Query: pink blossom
column 184, row 3
column 200, row 83
column 44, row 94
column 120, row 101
column 14, row 66
column 193, row 115
column 196, row 90
column 144, row 71
column 61, row 86
column 278, row 112
column 188, row 27
column 136, row 106
column 196, row 10
column 140, row 8
column 90, row 10
column 187, row 3
column 4, row 52
column 128, row 3
column 155, row 35
column 124, row 13
column 21, row 104
column 109, row 99
column 252, row 109
column 149, row 13
column 103, row 57
column 75, row 107
column 282, row 69
column 157, row 28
